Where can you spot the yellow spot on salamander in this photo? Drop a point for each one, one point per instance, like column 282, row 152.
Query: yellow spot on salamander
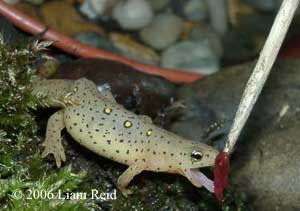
column 149, row 132
column 127, row 124
column 107, row 110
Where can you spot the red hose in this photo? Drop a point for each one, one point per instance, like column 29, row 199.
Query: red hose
column 79, row 49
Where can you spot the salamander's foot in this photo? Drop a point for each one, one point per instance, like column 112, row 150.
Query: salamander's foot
column 125, row 192
column 127, row 176
column 52, row 143
column 56, row 149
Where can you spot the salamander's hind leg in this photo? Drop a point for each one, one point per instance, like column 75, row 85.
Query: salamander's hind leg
column 127, row 176
column 52, row 143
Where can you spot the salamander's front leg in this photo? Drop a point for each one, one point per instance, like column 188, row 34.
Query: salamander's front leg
column 52, row 143
column 127, row 176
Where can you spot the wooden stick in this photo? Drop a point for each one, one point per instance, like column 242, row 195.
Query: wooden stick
column 262, row 69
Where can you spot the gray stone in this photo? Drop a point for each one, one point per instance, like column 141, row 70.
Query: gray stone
column 94, row 39
column 133, row 14
column 217, row 10
column 208, row 35
column 94, row 9
column 164, row 30
column 158, row 5
column 193, row 56
column 195, row 10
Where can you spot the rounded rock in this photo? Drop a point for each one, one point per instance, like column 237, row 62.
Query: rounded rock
column 158, row 5
column 195, row 10
column 192, row 56
column 133, row 14
column 163, row 31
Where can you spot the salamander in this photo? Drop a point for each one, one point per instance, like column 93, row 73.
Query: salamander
column 93, row 118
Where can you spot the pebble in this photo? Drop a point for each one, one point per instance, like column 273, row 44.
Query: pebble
column 133, row 14
column 163, row 31
column 203, row 33
column 158, row 5
column 96, row 8
column 195, row 10
column 192, row 56
column 94, row 39
column 217, row 10
column 63, row 16
column 88, row 10
column 134, row 50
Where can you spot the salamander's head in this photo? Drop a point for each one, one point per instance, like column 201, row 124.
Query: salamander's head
column 197, row 155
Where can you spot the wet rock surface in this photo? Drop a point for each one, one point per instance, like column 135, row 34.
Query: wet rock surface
column 266, row 161
column 143, row 93
column 267, row 169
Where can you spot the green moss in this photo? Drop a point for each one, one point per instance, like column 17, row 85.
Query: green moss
column 21, row 168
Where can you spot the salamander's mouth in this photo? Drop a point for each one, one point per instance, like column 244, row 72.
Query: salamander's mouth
column 198, row 179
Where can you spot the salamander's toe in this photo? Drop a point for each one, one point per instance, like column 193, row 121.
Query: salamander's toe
column 57, row 150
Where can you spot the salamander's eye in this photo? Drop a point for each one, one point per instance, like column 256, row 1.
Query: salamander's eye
column 196, row 156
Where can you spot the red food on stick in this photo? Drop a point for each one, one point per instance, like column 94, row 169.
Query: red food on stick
column 221, row 172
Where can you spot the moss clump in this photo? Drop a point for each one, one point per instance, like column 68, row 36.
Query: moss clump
column 21, row 169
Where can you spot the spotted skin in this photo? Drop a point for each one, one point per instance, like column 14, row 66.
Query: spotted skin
column 96, row 121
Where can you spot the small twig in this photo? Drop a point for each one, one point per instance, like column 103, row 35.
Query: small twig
column 262, row 69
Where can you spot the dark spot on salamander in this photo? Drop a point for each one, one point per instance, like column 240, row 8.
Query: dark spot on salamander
column 117, row 151
column 127, row 152
column 108, row 141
